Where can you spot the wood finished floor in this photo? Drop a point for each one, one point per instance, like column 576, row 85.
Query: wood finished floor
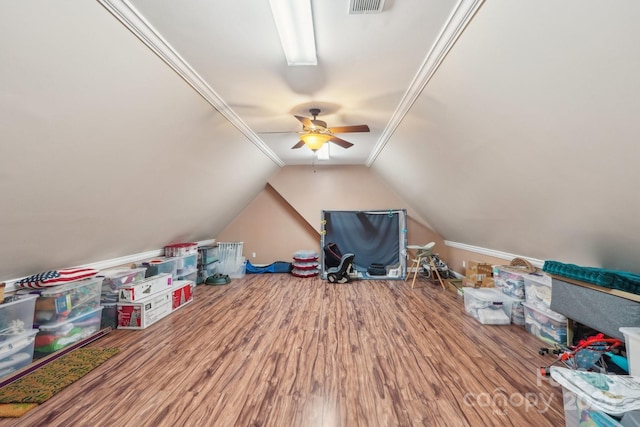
column 274, row 350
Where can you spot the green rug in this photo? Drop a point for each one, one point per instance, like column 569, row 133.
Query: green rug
column 36, row 387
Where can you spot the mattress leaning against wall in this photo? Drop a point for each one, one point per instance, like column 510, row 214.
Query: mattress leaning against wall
column 599, row 310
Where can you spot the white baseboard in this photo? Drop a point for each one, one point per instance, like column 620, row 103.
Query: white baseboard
column 492, row 253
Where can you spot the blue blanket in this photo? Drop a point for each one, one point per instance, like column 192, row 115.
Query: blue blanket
column 276, row 267
column 612, row 279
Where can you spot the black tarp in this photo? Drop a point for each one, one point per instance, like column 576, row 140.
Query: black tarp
column 373, row 236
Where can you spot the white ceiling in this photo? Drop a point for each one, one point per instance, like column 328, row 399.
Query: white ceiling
column 369, row 65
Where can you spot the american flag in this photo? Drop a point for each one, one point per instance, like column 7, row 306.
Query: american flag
column 56, row 277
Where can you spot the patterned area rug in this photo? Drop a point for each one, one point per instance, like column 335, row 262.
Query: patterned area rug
column 36, row 387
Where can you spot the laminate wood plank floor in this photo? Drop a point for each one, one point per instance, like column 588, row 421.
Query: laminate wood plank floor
column 275, row 350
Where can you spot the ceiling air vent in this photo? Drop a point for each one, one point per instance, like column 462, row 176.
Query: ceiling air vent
column 357, row 7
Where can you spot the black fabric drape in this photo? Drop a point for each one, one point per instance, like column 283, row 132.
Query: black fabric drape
column 372, row 236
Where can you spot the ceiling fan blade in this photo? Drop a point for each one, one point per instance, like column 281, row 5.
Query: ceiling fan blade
column 304, row 120
column 318, row 124
column 298, row 145
column 341, row 142
column 354, row 128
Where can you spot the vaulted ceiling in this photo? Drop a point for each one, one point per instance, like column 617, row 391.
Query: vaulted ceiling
column 507, row 125
column 371, row 66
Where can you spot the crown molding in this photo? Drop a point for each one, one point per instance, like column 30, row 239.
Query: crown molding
column 457, row 22
column 141, row 28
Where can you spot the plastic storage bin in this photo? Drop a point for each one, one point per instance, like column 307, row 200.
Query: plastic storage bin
column 160, row 265
column 186, row 265
column 59, row 303
column 109, row 316
column 489, row 306
column 116, row 277
column 510, row 283
column 181, row 249
column 16, row 315
column 205, row 271
column 207, row 255
column 17, row 352
column 632, row 344
column 538, row 290
column 579, row 413
column 192, row 277
column 545, row 324
column 56, row 336
column 598, row 399
column 517, row 312
column 240, row 270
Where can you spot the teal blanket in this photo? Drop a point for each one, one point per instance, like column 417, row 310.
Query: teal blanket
column 612, row 279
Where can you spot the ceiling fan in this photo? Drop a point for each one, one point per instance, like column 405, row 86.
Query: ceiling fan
column 315, row 132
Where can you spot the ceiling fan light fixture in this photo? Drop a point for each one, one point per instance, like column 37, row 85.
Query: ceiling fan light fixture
column 295, row 27
column 323, row 152
column 314, row 141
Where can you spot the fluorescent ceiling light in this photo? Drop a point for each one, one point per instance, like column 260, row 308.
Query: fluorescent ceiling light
column 295, row 27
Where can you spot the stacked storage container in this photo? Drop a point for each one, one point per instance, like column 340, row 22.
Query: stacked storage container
column 160, row 265
column 207, row 262
column 305, row 264
column 540, row 320
column 511, row 283
column 114, row 279
column 142, row 303
column 186, row 260
column 17, row 336
column 65, row 314
column 488, row 305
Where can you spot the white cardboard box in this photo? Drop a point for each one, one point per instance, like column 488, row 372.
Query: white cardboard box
column 145, row 312
column 150, row 286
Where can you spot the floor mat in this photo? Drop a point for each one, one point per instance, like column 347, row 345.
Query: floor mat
column 40, row 385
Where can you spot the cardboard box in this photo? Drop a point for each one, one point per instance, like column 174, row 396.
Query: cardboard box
column 150, row 286
column 145, row 312
column 476, row 272
column 488, row 282
column 182, row 293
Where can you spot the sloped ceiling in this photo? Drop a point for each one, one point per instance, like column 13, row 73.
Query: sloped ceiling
column 528, row 136
column 105, row 151
column 523, row 140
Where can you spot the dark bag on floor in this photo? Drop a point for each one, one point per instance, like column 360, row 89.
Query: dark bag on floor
column 376, row 269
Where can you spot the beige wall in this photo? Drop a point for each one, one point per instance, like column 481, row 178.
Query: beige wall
column 455, row 256
column 271, row 228
column 285, row 216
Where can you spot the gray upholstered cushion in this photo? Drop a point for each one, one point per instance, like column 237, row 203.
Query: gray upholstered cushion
column 598, row 310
